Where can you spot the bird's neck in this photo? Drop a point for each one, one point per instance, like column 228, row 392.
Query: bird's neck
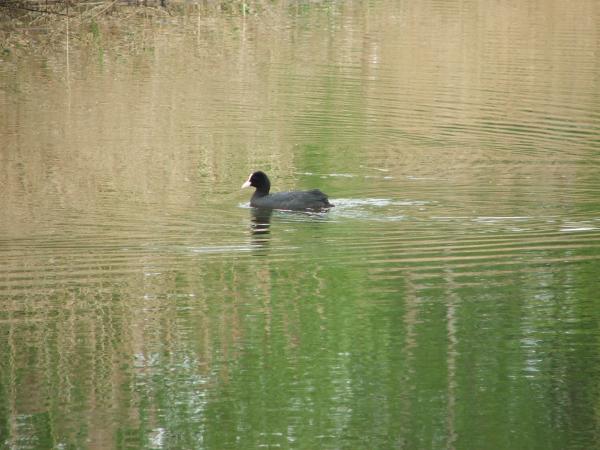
column 261, row 193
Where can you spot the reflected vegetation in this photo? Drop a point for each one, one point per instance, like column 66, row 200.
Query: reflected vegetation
column 449, row 300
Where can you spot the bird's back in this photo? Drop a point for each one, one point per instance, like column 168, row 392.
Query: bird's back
column 295, row 200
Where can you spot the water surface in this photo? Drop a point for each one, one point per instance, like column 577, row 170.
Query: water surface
column 449, row 300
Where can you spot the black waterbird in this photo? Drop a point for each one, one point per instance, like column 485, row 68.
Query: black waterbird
column 294, row 200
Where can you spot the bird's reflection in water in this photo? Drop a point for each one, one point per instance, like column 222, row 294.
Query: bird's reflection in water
column 260, row 227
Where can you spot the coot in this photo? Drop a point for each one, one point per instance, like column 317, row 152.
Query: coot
column 296, row 200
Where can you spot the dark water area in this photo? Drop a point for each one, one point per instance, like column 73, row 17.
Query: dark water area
column 450, row 299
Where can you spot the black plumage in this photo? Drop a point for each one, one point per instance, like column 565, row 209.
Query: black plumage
column 295, row 200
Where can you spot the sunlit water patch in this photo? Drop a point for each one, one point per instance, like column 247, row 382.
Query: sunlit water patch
column 376, row 209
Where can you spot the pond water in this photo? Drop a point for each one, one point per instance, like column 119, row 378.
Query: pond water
column 449, row 300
